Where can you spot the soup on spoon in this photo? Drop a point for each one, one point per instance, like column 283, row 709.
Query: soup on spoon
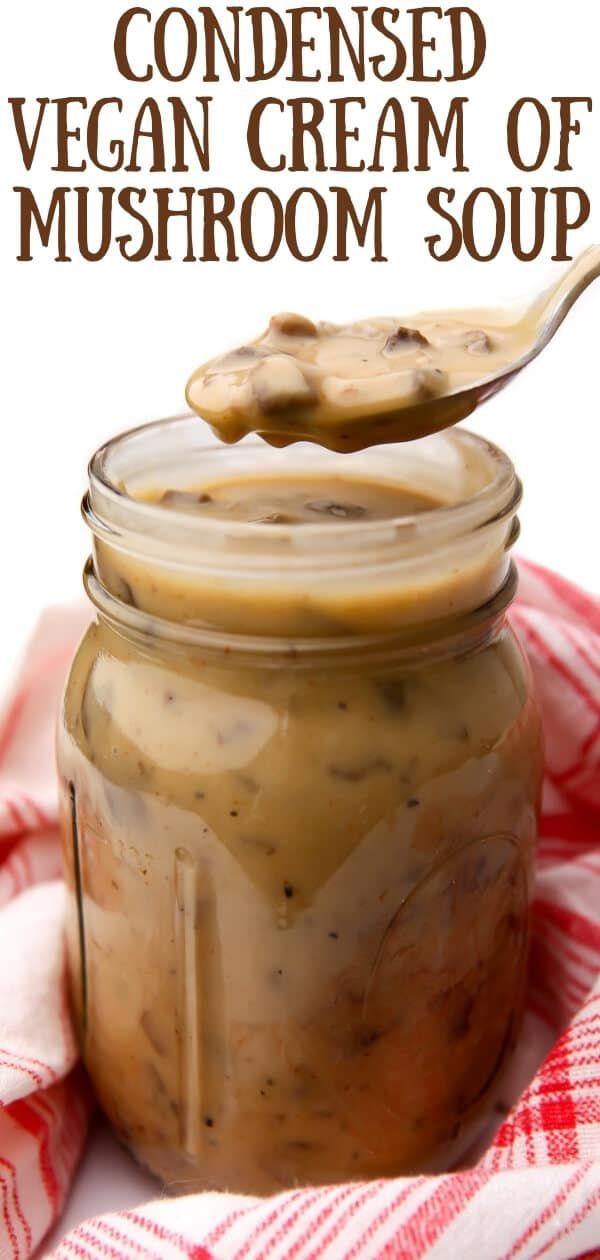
column 349, row 386
column 344, row 386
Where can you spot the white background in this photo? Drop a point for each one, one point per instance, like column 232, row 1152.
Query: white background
column 91, row 349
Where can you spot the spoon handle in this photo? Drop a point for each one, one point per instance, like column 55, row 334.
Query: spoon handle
column 553, row 306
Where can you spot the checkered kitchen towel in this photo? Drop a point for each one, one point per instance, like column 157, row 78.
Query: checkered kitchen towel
column 536, row 1190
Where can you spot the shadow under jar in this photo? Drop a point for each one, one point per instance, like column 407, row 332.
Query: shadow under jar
column 300, row 773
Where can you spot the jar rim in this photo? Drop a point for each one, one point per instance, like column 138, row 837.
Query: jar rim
column 140, row 527
column 445, row 638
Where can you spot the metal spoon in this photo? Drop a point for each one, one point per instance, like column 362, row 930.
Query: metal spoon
column 278, row 387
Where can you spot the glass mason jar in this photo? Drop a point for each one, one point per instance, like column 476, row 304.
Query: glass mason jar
column 300, row 774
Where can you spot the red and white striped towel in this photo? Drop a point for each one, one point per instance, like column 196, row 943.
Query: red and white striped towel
column 536, row 1190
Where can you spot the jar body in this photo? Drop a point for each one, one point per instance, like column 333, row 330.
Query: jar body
column 299, row 903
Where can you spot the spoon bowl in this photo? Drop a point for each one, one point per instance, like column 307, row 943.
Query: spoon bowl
column 376, row 382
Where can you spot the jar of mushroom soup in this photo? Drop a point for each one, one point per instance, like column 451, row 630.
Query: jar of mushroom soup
column 300, row 770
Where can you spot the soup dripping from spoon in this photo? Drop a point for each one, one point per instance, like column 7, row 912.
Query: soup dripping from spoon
column 381, row 380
